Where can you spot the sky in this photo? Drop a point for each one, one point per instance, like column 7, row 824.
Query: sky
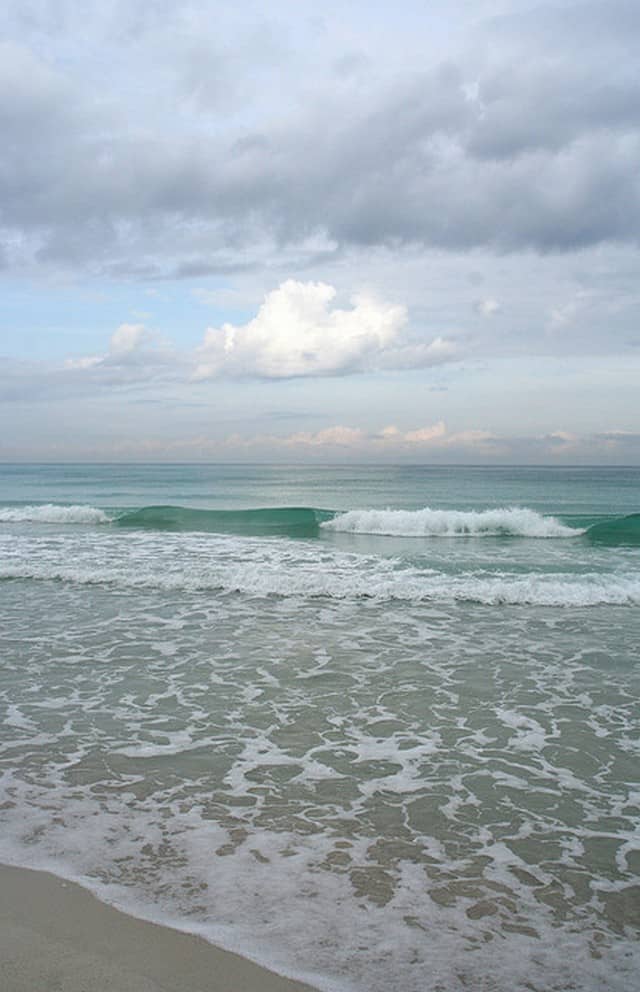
column 348, row 231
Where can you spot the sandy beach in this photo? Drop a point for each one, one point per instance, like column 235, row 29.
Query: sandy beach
column 55, row 936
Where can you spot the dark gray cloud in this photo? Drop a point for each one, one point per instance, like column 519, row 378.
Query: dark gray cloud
column 546, row 105
column 533, row 145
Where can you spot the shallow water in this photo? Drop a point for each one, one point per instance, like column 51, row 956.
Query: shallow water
column 370, row 754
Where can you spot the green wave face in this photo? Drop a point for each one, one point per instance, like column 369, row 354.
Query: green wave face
column 297, row 521
column 620, row 531
column 305, row 521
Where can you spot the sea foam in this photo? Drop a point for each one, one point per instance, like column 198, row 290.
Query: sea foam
column 52, row 513
column 506, row 521
column 411, row 586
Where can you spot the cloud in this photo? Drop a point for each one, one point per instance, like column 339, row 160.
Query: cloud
column 533, row 145
column 423, row 435
column 487, row 307
column 563, row 314
column 575, row 312
column 124, row 342
column 299, row 332
column 127, row 338
column 84, row 362
column 619, row 437
column 340, row 437
column 433, row 437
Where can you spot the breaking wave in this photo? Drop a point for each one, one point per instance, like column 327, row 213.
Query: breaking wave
column 311, row 522
column 52, row 513
column 508, row 521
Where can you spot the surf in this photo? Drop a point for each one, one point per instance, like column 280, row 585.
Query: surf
column 53, row 513
column 308, row 522
column 501, row 522
column 343, row 581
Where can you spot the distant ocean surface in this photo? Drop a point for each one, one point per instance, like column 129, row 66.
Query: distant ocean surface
column 375, row 727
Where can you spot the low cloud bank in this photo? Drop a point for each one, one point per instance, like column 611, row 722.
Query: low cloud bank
column 430, row 444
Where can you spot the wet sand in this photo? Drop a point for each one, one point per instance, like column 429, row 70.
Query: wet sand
column 57, row 937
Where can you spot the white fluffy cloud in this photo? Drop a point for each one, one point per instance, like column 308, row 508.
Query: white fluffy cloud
column 297, row 332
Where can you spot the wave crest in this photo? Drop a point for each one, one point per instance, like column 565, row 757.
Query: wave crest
column 53, row 513
column 507, row 521
column 309, row 522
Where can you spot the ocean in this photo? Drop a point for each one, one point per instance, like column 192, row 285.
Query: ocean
column 375, row 727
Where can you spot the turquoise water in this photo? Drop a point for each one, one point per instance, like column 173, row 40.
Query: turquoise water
column 374, row 726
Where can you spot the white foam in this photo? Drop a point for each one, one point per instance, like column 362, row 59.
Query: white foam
column 407, row 585
column 175, row 743
column 346, row 943
column 514, row 521
column 53, row 513
column 15, row 718
column 529, row 736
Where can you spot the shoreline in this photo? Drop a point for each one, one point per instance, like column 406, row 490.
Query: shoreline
column 56, row 935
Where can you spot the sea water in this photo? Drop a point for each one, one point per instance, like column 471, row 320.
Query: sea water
column 377, row 727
